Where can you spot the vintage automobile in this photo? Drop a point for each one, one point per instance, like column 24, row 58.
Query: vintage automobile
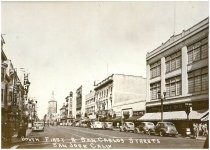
column 97, row 125
column 127, row 126
column 145, row 127
column 108, row 125
column 165, row 128
column 38, row 126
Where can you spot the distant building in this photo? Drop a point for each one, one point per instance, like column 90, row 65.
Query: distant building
column 120, row 95
column 63, row 114
column 79, row 102
column 179, row 69
column 90, row 105
column 69, row 101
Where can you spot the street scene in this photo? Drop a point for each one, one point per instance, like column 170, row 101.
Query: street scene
column 66, row 137
column 105, row 75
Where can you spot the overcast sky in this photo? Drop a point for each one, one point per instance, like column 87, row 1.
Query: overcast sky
column 67, row 44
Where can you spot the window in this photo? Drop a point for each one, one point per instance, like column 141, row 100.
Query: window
column 198, row 51
column 155, row 70
column 2, row 74
column 154, row 88
column 2, row 96
column 198, row 80
column 173, row 62
column 204, row 51
column 173, row 86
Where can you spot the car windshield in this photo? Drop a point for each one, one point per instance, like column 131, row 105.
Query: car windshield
column 130, row 123
column 151, row 124
column 38, row 124
column 170, row 124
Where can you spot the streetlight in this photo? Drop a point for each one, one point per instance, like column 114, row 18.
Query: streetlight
column 188, row 106
column 161, row 98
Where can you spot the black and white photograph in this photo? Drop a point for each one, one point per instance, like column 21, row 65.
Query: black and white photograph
column 104, row 74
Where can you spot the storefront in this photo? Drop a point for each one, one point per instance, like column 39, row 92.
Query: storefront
column 179, row 118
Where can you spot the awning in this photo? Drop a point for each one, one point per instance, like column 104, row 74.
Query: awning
column 174, row 115
column 197, row 115
column 133, row 118
column 205, row 118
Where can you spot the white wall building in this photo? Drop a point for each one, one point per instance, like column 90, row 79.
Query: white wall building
column 120, row 95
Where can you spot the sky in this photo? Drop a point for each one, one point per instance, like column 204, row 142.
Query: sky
column 64, row 45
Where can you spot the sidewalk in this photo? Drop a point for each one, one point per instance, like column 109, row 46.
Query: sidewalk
column 179, row 135
column 15, row 140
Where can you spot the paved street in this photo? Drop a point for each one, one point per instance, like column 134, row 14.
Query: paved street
column 77, row 137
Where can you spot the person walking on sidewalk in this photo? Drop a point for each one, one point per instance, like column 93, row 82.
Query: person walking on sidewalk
column 196, row 130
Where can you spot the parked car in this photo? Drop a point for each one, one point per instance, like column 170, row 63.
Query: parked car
column 127, row 126
column 145, row 127
column 165, row 128
column 38, row 126
column 83, row 125
column 108, row 125
column 69, row 124
column 97, row 125
column 77, row 124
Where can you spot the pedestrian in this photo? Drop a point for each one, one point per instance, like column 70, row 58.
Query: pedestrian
column 205, row 130
column 195, row 129
column 199, row 129
column 118, row 124
column 202, row 129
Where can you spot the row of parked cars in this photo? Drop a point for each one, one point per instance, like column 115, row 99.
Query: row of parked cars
column 161, row 128
column 101, row 125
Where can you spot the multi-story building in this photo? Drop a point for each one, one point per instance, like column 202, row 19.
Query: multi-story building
column 120, row 95
column 90, row 105
column 69, row 101
column 13, row 95
column 63, row 114
column 178, row 72
column 79, row 102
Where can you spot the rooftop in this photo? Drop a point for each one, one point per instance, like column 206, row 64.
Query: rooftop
column 178, row 38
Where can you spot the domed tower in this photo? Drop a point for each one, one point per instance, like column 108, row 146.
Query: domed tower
column 52, row 108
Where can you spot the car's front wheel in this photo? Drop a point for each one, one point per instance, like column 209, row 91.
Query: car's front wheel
column 161, row 133
column 136, row 130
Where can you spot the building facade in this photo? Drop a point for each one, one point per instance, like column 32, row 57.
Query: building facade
column 79, row 102
column 14, row 95
column 90, row 105
column 120, row 95
column 63, row 114
column 177, row 71
column 69, row 101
